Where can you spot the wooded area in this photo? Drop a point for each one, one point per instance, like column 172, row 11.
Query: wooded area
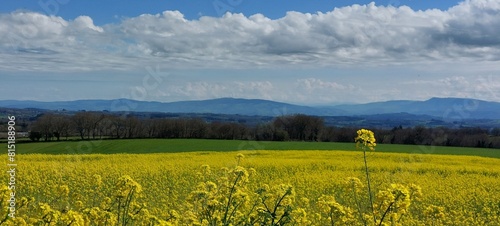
column 100, row 125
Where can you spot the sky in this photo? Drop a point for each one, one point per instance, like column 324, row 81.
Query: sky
column 309, row 52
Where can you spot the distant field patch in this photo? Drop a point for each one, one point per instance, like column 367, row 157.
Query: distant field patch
column 138, row 146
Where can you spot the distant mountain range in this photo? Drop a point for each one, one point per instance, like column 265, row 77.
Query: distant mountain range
column 443, row 108
column 448, row 109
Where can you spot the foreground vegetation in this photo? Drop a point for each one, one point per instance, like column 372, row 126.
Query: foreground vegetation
column 267, row 187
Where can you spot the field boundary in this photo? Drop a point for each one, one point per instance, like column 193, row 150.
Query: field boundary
column 144, row 146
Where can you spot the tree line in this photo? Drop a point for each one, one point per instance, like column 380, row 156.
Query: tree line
column 299, row 127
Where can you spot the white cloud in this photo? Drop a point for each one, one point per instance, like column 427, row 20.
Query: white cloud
column 208, row 90
column 315, row 85
column 302, row 91
column 357, row 35
column 254, row 89
column 314, row 91
column 84, row 22
column 200, row 90
column 472, row 86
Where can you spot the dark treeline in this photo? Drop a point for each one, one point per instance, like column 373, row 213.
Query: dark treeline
column 99, row 125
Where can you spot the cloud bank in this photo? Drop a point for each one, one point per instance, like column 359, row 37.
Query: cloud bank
column 357, row 35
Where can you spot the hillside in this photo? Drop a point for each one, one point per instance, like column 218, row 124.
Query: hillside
column 448, row 109
column 445, row 109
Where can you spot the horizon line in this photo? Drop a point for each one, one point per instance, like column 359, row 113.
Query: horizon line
column 242, row 98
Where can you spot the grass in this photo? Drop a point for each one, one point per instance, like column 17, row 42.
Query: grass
column 140, row 146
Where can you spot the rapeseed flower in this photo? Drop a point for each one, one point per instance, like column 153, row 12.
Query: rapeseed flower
column 365, row 139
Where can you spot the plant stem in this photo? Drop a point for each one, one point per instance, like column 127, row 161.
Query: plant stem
column 225, row 219
column 358, row 204
column 388, row 209
column 369, row 186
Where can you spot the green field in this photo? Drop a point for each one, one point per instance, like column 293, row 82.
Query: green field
column 187, row 145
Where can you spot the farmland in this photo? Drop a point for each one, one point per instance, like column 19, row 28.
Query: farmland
column 144, row 146
column 186, row 182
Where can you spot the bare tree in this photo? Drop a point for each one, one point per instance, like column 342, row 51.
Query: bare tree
column 94, row 122
column 61, row 126
column 300, row 127
column 87, row 123
column 133, row 127
column 196, row 128
column 117, row 126
column 150, row 127
column 45, row 125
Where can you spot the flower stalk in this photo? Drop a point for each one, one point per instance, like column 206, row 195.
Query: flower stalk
column 366, row 140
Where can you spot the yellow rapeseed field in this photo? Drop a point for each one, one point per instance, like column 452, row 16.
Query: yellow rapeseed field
column 254, row 188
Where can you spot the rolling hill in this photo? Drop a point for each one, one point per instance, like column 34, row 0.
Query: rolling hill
column 215, row 106
column 447, row 109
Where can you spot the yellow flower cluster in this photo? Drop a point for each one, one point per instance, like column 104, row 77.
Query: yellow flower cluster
column 255, row 188
column 334, row 213
column 365, row 139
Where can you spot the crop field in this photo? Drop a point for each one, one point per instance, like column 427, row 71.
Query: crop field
column 143, row 146
column 206, row 183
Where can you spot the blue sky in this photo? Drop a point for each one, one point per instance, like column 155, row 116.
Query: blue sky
column 111, row 11
column 314, row 52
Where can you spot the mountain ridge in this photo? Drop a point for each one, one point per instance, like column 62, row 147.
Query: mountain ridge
column 446, row 108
